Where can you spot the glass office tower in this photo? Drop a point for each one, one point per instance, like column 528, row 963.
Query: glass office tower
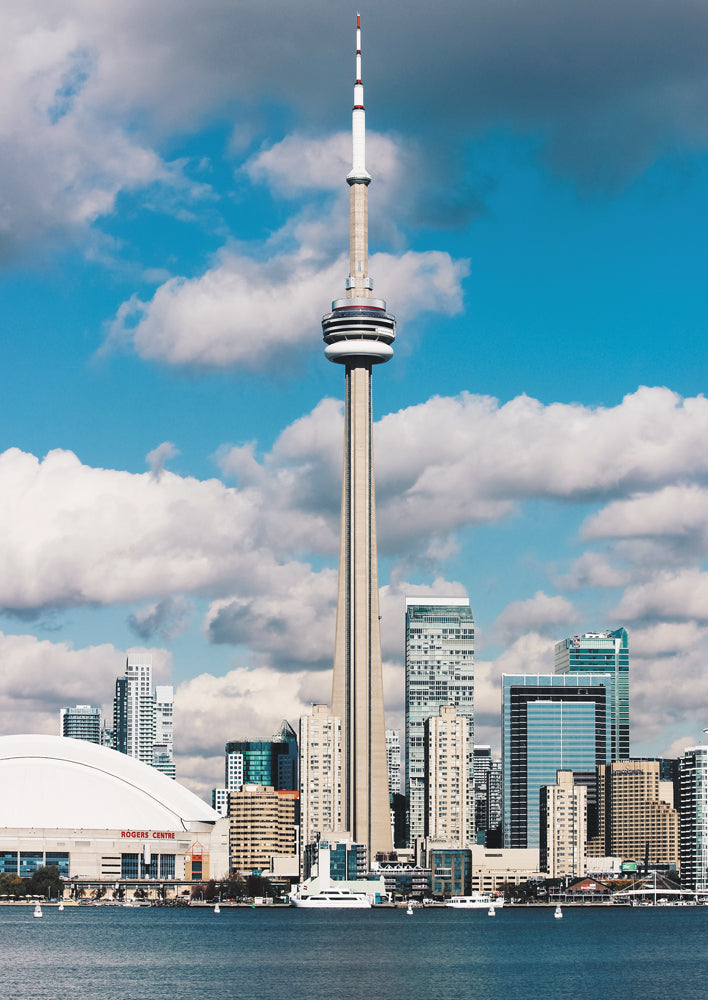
column 550, row 722
column 602, row 653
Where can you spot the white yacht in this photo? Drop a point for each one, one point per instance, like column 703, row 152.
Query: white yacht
column 332, row 898
column 477, row 901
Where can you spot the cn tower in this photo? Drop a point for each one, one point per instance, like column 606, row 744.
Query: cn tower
column 358, row 333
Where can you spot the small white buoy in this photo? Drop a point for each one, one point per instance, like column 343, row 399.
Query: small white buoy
column 217, row 908
column 490, row 911
column 61, row 905
column 409, row 911
column 37, row 910
column 559, row 913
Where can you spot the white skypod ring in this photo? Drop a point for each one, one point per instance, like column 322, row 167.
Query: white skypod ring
column 375, row 351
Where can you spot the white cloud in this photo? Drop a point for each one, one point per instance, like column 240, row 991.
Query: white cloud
column 158, row 457
column 245, row 312
column 677, row 512
column 679, row 595
column 540, row 613
column 592, row 569
column 75, row 534
column 40, row 677
column 167, row 618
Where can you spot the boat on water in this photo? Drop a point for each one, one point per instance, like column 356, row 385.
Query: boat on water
column 37, row 910
column 558, row 913
column 477, row 901
column 331, row 899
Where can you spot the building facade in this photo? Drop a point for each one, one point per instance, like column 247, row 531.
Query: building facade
column 142, row 716
column 550, row 722
column 563, row 827
column 264, row 761
column 693, row 784
column 321, row 752
column 439, row 671
column 393, row 760
column 263, row 826
column 636, row 822
column 448, row 790
column 81, row 722
column 163, row 748
column 605, row 653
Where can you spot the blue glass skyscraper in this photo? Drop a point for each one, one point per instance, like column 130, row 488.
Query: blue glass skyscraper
column 549, row 722
column 602, row 653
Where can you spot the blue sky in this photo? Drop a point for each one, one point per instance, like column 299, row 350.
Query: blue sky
column 173, row 225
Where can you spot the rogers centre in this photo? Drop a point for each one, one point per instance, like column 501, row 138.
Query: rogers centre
column 102, row 817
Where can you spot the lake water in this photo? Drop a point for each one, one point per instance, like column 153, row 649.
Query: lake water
column 106, row 953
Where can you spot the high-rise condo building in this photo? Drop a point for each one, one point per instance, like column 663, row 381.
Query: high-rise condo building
column 81, row 722
column 393, row 759
column 550, row 722
column 636, row 818
column 163, row 748
column 563, row 827
column 602, row 653
column 439, row 671
column 358, row 333
column 693, row 784
column 134, row 709
column 142, row 716
column 448, row 790
column 321, row 771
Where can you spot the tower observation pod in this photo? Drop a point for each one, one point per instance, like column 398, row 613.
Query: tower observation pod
column 358, row 334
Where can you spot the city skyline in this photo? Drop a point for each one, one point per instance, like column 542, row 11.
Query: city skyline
column 172, row 435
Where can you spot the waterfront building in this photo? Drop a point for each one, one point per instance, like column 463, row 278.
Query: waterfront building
column 550, row 722
column 693, row 783
column 439, row 670
column 494, row 869
column 81, row 722
column 263, row 761
column 340, row 862
column 358, row 334
column 405, row 879
column 263, row 826
column 451, row 868
column 448, row 802
column 321, row 752
column 100, row 816
column 636, row 819
column 602, row 653
column 563, row 826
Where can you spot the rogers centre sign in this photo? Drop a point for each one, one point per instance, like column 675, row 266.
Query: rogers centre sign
column 148, row 834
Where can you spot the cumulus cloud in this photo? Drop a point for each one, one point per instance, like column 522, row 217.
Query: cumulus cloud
column 541, row 613
column 677, row 512
column 680, row 595
column 592, row 569
column 246, row 312
column 167, row 618
column 157, row 458
column 40, row 677
column 81, row 535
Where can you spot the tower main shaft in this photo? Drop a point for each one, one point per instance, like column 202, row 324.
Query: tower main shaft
column 358, row 333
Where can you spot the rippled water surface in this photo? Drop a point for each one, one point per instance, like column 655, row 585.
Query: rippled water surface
column 106, row 953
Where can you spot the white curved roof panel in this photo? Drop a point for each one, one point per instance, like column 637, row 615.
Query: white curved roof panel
column 54, row 782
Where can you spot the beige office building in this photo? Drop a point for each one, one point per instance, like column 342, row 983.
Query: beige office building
column 563, row 827
column 635, row 813
column 447, row 789
column 262, row 827
column 320, row 774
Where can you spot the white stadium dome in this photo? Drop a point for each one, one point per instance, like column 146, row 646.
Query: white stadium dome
column 54, row 782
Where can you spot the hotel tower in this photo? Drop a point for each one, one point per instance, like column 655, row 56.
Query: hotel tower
column 358, row 333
